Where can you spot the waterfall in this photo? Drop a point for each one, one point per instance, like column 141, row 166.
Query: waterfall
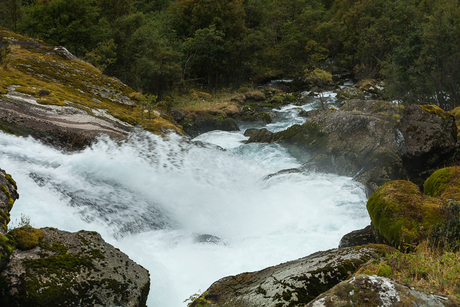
column 191, row 212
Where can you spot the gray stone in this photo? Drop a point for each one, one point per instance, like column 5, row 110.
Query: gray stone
column 73, row 269
column 358, row 237
column 292, row 283
column 372, row 290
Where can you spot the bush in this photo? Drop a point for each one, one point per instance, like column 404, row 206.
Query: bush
column 446, row 235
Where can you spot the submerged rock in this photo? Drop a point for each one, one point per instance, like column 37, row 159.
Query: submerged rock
column 292, row 283
column 371, row 290
column 71, row 269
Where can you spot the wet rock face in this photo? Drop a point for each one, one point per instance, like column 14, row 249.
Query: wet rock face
column 72, row 269
column 429, row 137
column 365, row 290
column 292, row 283
column 8, row 196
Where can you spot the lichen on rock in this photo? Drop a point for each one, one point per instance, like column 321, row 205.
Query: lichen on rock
column 71, row 269
column 370, row 290
column 292, row 283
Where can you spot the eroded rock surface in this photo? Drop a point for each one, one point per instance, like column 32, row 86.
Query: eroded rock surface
column 295, row 282
column 372, row 290
column 72, row 269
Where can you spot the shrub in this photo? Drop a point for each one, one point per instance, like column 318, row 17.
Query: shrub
column 446, row 234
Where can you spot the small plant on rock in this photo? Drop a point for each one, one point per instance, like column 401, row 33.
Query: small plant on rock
column 197, row 300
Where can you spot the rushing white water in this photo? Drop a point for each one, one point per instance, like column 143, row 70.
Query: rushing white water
column 155, row 198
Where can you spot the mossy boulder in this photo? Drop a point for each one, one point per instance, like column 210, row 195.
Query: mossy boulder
column 293, row 283
column 444, row 183
column 71, row 269
column 402, row 214
column 370, row 290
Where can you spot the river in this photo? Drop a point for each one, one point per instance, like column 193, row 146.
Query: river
column 191, row 212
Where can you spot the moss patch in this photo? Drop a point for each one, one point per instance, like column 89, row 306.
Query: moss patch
column 444, row 183
column 11, row 181
column 437, row 111
column 26, row 237
column 402, row 214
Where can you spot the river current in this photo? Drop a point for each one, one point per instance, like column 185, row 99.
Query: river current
column 189, row 211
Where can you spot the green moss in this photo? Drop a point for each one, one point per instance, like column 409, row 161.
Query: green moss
column 11, row 181
column 51, row 101
column 401, row 214
column 5, row 190
column 384, row 270
column 6, row 243
column 437, row 111
column 26, row 237
column 56, row 263
column 10, row 204
column 444, row 183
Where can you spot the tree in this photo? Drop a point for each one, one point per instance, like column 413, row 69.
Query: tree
column 74, row 24
column 10, row 13
column 205, row 55
column 425, row 68
column 318, row 77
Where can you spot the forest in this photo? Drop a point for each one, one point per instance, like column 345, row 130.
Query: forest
column 160, row 46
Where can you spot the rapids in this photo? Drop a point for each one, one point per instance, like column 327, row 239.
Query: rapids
column 190, row 211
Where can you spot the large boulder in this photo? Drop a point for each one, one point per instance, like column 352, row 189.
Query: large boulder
column 428, row 138
column 370, row 141
column 292, row 283
column 371, row 290
column 358, row 140
column 50, row 267
column 402, row 215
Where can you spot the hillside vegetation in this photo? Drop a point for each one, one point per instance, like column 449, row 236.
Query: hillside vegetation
column 165, row 46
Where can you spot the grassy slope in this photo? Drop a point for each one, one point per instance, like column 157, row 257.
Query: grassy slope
column 34, row 66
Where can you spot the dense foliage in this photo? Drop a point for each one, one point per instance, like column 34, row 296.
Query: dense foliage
column 157, row 45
